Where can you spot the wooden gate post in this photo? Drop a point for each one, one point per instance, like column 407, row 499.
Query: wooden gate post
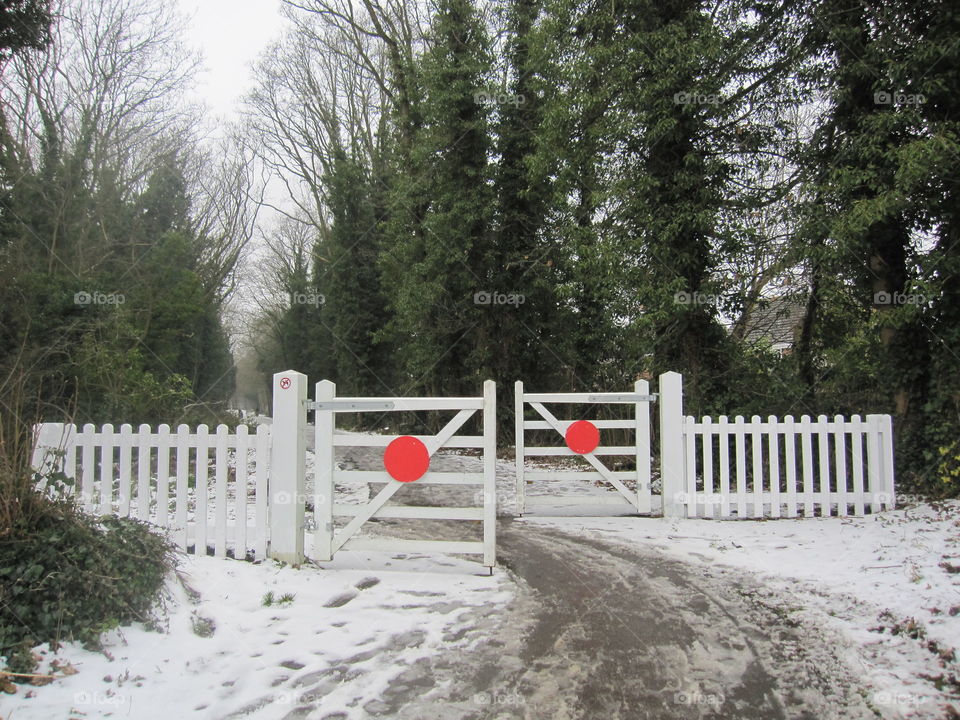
column 288, row 466
column 642, row 438
column 671, row 444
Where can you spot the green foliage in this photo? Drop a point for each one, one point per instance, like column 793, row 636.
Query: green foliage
column 438, row 255
column 346, row 274
column 113, row 317
column 69, row 576
column 23, row 24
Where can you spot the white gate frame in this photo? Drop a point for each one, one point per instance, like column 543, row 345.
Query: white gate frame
column 328, row 540
column 640, row 398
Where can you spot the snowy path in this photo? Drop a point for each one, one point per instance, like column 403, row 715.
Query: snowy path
column 600, row 630
column 597, row 631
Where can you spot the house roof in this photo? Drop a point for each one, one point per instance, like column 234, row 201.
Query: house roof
column 775, row 321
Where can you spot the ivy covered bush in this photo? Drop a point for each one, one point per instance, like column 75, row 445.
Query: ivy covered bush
column 66, row 575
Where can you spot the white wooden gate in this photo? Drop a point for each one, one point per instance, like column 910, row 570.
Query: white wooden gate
column 640, row 398
column 329, row 539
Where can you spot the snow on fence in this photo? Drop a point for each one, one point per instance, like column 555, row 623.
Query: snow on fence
column 778, row 467
column 205, row 488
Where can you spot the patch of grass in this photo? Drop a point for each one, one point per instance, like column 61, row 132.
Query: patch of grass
column 269, row 599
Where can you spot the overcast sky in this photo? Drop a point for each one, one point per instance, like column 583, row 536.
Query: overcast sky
column 230, row 33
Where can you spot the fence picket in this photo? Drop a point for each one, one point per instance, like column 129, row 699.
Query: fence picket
column 143, row 472
column 240, row 494
column 690, row 467
column 856, row 454
column 840, row 460
column 642, row 438
column 875, row 481
column 790, row 460
column 200, row 500
column 756, row 439
column 260, row 500
column 886, row 451
column 740, row 442
column 183, row 484
column 723, row 437
column 220, row 499
column 70, row 457
column 806, row 448
column 106, row 469
column 774, row 446
column 519, row 443
column 125, row 446
column 823, row 457
column 707, row 437
column 163, row 475
column 87, row 444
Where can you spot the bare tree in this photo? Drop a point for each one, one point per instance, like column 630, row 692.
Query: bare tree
column 327, row 86
column 228, row 186
column 97, row 106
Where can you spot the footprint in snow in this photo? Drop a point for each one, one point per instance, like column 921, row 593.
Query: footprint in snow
column 367, row 583
column 340, row 600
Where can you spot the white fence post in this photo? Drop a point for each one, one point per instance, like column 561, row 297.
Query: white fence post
column 886, row 448
column 671, row 443
column 490, row 473
column 288, row 466
column 642, row 438
column 880, row 484
column 324, row 464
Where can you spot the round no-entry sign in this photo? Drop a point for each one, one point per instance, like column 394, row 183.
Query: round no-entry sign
column 582, row 437
column 284, row 383
column 406, row 458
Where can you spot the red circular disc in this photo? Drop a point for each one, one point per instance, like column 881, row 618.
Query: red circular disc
column 582, row 437
column 406, row 458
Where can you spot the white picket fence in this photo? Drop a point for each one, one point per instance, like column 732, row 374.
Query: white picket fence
column 205, row 488
column 778, row 467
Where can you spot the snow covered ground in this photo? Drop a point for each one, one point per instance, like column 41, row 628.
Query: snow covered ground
column 333, row 649
column 888, row 585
